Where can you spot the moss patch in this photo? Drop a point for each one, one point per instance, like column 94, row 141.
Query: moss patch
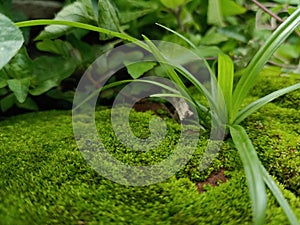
column 45, row 180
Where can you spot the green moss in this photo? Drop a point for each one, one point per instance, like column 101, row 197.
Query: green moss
column 272, row 79
column 275, row 135
column 45, row 179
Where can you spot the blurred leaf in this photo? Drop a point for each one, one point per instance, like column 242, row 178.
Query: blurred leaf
column 218, row 9
column 3, row 79
column 231, row 8
column 79, row 11
column 173, row 4
column 291, row 2
column 214, row 13
column 231, row 33
column 288, row 51
column 19, row 87
column 57, row 94
column 7, row 102
column 138, row 69
column 11, row 40
column 108, row 18
column 212, row 37
column 28, row 104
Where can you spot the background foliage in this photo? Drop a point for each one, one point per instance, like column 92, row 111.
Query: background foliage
column 29, row 82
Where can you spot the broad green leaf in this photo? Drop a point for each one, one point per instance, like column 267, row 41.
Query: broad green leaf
column 75, row 12
column 20, row 66
column 7, row 102
column 253, row 172
column 248, row 110
column 225, row 79
column 108, row 17
column 11, row 40
column 49, row 72
column 261, row 57
column 214, row 13
column 231, row 8
column 173, row 4
column 20, row 88
column 136, row 70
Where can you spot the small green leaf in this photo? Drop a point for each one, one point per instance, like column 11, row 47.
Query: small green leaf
column 19, row 87
column 138, row 69
column 28, row 104
column 212, row 37
column 7, row 102
column 57, row 46
column 3, row 79
column 231, row 8
column 11, row 40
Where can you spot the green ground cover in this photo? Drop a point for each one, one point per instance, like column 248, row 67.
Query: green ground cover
column 45, row 179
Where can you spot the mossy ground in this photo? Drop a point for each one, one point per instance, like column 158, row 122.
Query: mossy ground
column 46, row 180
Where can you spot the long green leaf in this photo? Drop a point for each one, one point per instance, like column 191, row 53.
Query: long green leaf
column 253, row 172
column 217, row 104
column 225, row 79
column 123, row 36
column 261, row 57
column 248, row 110
column 279, row 196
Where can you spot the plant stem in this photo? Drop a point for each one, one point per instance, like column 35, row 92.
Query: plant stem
column 264, row 8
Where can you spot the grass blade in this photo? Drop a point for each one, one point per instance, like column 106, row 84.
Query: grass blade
column 253, row 172
column 248, row 110
column 261, row 57
column 279, row 196
column 225, row 79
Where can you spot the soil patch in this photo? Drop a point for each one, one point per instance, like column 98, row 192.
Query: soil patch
column 213, row 180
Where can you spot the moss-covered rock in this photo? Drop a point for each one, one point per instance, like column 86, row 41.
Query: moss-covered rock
column 45, row 179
